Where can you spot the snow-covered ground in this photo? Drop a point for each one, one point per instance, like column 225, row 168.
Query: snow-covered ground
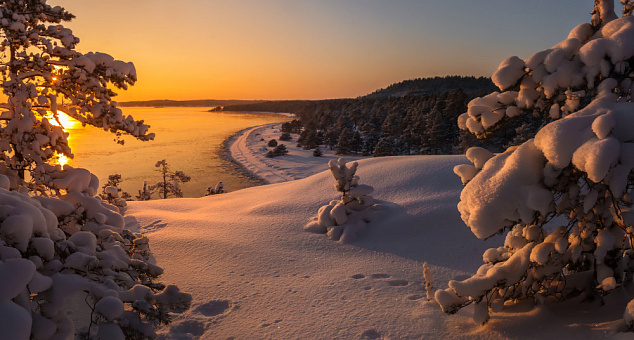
column 254, row 273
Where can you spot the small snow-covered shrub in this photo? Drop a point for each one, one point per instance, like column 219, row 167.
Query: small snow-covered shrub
column 279, row 150
column 577, row 169
column 218, row 189
column 272, row 143
column 343, row 219
column 285, row 136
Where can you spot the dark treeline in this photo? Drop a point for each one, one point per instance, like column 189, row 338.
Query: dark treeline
column 472, row 86
column 413, row 124
column 281, row 106
column 412, row 117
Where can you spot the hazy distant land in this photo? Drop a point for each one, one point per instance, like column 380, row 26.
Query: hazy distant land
column 188, row 103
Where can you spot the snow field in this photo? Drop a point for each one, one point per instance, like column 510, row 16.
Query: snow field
column 255, row 274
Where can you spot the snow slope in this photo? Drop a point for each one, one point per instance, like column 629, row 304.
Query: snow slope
column 255, row 274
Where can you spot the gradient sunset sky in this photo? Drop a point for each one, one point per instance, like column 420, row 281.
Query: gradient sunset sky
column 301, row 49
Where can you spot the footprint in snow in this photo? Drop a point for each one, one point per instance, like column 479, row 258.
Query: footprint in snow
column 187, row 327
column 213, row 308
column 380, row 276
column 370, row 334
column 398, row 283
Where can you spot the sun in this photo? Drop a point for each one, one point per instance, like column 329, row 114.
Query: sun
column 66, row 122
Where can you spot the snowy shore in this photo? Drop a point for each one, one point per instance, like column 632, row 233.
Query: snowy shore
column 248, row 149
column 254, row 273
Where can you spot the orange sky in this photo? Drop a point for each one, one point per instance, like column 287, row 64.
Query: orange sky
column 301, row 49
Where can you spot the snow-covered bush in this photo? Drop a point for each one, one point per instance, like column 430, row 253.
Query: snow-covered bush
column 170, row 183
column 279, row 150
column 564, row 197
column 218, row 189
column 343, row 219
column 52, row 249
column 285, row 136
column 317, row 152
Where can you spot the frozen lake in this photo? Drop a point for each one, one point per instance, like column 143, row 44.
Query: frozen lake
column 189, row 138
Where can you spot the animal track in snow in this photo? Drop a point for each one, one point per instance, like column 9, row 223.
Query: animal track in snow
column 267, row 324
column 358, row 276
column 380, row 276
column 154, row 226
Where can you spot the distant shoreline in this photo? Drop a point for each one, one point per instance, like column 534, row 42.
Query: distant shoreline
column 186, row 103
column 287, row 114
column 224, row 152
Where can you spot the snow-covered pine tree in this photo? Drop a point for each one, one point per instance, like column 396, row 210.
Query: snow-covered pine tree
column 343, row 146
column 71, row 242
column 39, row 64
column 577, row 168
column 345, row 218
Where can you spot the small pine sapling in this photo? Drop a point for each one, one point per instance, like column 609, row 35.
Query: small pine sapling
column 272, row 143
column 343, row 219
column 169, row 186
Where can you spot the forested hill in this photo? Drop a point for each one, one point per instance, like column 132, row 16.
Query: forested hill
column 471, row 86
column 412, row 117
